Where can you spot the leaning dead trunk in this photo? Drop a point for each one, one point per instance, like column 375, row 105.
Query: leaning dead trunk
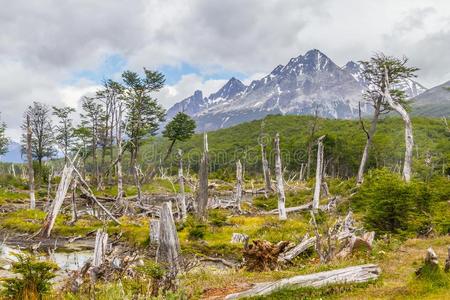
column 319, row 171
column 182, row 194
column 409, row 141
column 280, row 184
column 202, row 198
column 238, row 196
column 355, row 274
column 30, row 165
column 369, row 135
column 168, row 244
column 63, row 186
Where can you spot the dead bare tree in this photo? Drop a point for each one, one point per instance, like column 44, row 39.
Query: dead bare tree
column 30, row 164
column 312, row 132
column 182, row 194
column 319, row 173
column 238, row 195
column 202, row 197
column 279, row 177
column 409, row 141
column 63, row 186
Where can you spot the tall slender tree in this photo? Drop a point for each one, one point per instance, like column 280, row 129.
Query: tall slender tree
column 143, row 111
column 64, row 129
column 91, row 119
column 374, row 74
column 42, row 141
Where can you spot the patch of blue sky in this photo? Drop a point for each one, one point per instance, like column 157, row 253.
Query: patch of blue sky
column 115, row 64
column 110, row 66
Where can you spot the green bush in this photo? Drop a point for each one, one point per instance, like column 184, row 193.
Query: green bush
column 195, row 228
column 392, row 205
column 217, row 217
column 34, row 281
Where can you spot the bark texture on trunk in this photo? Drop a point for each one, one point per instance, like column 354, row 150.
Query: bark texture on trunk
column 119, row 153
column 168, row 251
column 182, row 194
column 30, row 165
column 409, row 141
column 154, row 232
column 370, row 134
column 266, row 171
column 202, row 198
column 319, row 172
column 63, row 186
column 101, row 241
column 280, row 184
column 239, row 183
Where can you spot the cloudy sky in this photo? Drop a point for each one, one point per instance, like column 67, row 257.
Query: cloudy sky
column 57, row 51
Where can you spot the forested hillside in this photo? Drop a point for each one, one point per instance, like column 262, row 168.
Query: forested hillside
column 344, row 143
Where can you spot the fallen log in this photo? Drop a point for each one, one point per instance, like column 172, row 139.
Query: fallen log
column 306, row 243
column 306, row 206
column 355, row 274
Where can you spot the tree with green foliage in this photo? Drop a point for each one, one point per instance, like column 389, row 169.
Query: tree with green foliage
column 374, row 74
column 181, row 128
column 82, row 136
column 64, row 129
column 144, row 113
column 91, row 119
column 4, row 141
column 34, row 281
column 42, row 141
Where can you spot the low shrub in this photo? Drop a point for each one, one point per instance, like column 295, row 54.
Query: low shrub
column 34, row 281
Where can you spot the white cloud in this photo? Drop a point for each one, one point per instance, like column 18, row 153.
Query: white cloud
column 43, row 43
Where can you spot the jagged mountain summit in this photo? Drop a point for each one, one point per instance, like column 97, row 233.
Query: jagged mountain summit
column 305, row 84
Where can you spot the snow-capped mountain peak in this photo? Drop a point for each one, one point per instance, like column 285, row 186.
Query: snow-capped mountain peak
column 306, row 83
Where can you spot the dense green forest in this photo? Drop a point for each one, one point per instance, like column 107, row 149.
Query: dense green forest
column 344, row 143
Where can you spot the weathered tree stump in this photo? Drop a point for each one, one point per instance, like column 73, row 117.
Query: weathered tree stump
column 168, row 251
column 238, row 238
column 431, row 262
column 447, row 261
column 101, row 241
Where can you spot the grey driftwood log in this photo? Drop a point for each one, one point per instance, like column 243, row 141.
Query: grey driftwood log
column 355, row 274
